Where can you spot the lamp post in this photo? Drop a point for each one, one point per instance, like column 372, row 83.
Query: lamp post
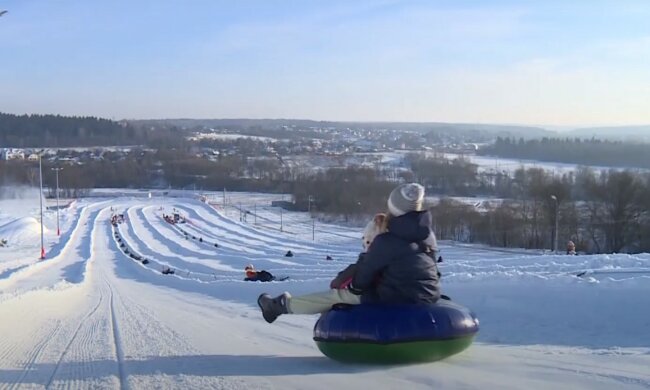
column 557, row 209
column 313, row 220
column 58, row 230
column 40, row 198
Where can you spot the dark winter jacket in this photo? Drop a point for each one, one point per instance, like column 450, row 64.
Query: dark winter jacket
column 398, row 267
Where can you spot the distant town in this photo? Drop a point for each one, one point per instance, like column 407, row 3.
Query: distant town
column 212, row 143
column 503, row 186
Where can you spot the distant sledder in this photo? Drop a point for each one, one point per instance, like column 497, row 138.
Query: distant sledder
column 260, row 276
column 174, row 219
column 117, row 219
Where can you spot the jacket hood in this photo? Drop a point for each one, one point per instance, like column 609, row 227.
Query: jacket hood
column 412, row 227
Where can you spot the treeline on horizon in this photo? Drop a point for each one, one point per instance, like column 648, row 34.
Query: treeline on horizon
column 602, row 212
column 421, row 127
column 39, row 131
column 572, row 150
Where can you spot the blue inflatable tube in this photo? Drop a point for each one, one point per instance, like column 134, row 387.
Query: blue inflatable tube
column 373, row 333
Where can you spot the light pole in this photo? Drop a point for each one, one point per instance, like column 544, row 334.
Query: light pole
column 40, row 197
column 313, row 220
column 557, row 210
column 58, row 230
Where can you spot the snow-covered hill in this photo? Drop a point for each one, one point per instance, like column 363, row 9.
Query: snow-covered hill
column 92, row 315
column 22, row 231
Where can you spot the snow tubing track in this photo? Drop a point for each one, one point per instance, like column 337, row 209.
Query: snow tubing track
column 394, row 334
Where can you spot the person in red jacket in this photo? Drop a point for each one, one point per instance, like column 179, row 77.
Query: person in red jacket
column 257, row 276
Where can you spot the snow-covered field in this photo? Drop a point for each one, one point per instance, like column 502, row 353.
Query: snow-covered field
column 91, row 316
column 395, row 160
column 509, row 165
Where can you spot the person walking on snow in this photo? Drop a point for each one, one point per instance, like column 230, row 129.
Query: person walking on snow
column 571, row 248
column 399, row 266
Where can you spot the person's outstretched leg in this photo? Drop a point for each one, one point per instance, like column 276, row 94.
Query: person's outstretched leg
column 321, row 301
column 315, row 303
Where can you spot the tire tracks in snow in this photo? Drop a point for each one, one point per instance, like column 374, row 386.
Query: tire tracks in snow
column 34, row 354
column 117, row 341
column 72, row 339
column 96, row 337
column 76, row 362
column 616, row 375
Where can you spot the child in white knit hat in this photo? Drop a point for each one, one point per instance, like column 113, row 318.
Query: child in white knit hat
column 399, row 265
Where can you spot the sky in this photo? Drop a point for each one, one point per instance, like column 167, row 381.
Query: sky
column 555, row 63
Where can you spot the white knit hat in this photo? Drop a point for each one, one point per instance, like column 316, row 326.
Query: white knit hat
column 406, row 198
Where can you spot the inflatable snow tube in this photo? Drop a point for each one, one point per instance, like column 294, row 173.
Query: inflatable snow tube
column 395, row 334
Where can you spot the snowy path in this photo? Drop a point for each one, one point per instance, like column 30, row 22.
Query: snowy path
column 93, row 317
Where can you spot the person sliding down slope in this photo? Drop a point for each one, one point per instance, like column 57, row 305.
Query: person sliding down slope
column 398, row 267
column 257, row 276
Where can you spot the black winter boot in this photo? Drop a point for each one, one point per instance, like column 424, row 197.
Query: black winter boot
column 272, row 308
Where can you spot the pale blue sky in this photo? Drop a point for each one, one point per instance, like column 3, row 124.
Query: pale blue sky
column 527, row 62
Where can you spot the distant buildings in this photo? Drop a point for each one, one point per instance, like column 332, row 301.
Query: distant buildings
column 70, row 155
column 12, row 154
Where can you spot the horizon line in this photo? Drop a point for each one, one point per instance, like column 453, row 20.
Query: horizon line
column 550, row 127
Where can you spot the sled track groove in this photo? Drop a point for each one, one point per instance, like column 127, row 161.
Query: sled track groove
column 209, row 223
column 176, row 257
column 209, row 216
column 176, row 241
column 72, row 338
column 620, row 377
column 232, row 231
column 117, row 341
column 144, row 233
column 34, row 355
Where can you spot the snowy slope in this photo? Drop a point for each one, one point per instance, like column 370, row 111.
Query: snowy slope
column 91, row 316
